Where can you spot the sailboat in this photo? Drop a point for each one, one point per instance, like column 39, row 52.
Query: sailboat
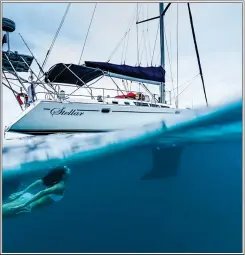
column 60, row 113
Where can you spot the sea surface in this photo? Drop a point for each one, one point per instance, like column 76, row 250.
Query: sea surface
column 161, row 188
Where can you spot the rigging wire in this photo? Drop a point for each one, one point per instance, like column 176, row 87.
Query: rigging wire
column 142, row 40
column 10, row 87
column 92, row 83
column 190, row 80
column 87, row 34
column 145, row 43
column 116, row 85
column 170, row 45
column 125, row 36
column 197, row 53
column 126, row 50
column 144, row 49
column 14, row 84
column 41, row 69
column 119, row 43
column 155, row 43
column 177, row 56
column 147, row 31
column 143, row 37
column 189, row 83
column 12, row 79
column 123, row 49
column 137, row 30
column 170, row 65
column 129, row 30
column 159, row 56
column 55, row 37
column 125, row 44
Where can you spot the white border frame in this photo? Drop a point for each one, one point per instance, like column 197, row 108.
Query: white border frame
column 128, row 1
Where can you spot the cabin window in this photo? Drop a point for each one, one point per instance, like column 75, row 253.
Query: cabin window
column 114, row 102
column 127, row 103
column 164, row 106
column 141, row 104
column 154, row 105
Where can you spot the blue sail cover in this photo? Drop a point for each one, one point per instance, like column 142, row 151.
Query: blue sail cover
column 71, row 74
column 146, row 73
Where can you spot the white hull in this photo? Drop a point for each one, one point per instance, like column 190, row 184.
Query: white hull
column 46, row 117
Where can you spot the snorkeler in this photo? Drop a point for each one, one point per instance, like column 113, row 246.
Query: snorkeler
column 52, row 185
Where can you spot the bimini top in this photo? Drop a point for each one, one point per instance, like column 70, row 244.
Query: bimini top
column 82, row 74
column 71, row 74
column 156, row 74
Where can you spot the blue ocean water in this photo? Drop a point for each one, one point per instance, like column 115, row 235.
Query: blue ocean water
column 174, row 188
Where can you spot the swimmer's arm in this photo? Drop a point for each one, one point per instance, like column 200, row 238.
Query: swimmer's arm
column 56, row 188
column 20, row 193
column 34, row 184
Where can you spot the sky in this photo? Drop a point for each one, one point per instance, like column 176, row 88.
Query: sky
column 218, row 28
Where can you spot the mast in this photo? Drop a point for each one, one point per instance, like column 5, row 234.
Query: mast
column 162, row 86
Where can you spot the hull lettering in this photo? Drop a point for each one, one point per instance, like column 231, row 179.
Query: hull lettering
column 62, row 111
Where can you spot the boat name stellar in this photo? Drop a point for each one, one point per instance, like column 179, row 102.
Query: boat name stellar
column 62, row 111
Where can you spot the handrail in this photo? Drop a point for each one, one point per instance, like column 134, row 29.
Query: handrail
column 102, row 94
column 105, row 89
column 152, row 100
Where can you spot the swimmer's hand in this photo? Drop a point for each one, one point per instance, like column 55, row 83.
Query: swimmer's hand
column 24, row 209
column 21, row 209
column 16, row 195
column 17, row 208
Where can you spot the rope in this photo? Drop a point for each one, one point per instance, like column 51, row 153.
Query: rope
column 87, row 33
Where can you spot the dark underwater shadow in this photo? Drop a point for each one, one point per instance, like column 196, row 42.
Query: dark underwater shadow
column 165, row 163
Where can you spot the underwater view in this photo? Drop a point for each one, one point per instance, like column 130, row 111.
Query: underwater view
column 174, row 187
